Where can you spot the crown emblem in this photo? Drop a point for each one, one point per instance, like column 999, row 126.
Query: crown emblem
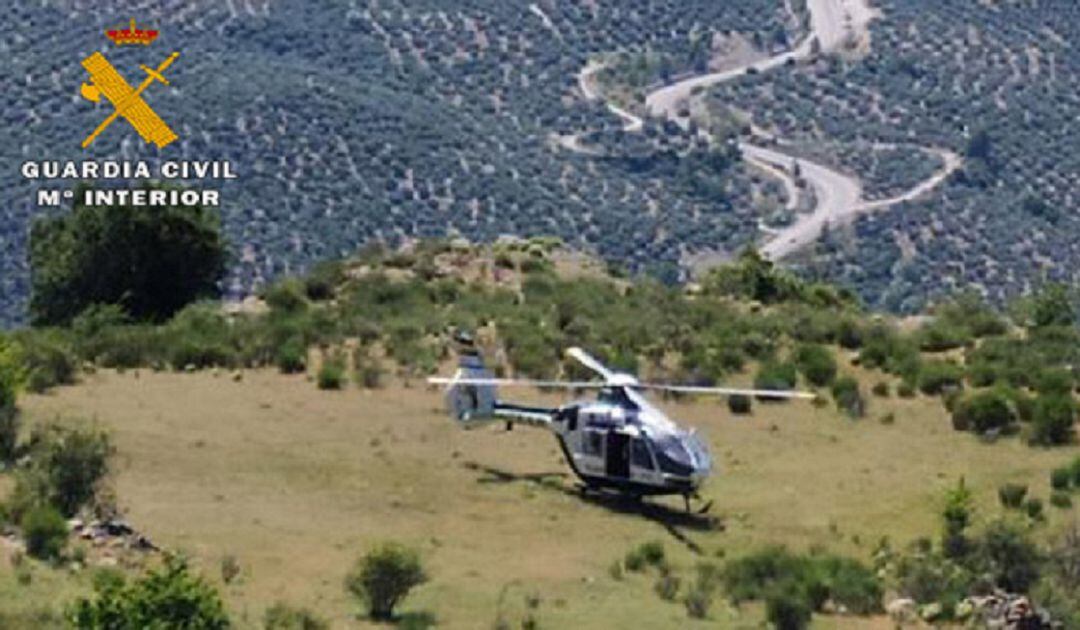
column 132, row 35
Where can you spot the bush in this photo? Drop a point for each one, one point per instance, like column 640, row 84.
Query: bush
column 774, row 376
column 937, row 376
column 323, row 280
column 697, row 603
column 9, row 434
column 291, row 357
column 332, row 374
column 1055, row 381
column 48, row 360
column 282, row 616
column 1012, row 495
column 45, row 531
column 1009, row 556
column 787, row 609
column 644, row 555
column 848, row 397
column 384, row 577
column 881, row 389
column 739, row 404
column 819, row 577
column 982, row 412
column 940, row 336
column 66, row 467
column 1061, row 499
column 905, row 390
column 816, row 363
column 1053, row 420
column 169, row 597
column 1034, row 508
column 1060, row 478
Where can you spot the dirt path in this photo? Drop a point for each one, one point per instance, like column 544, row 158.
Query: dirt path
column 835, row 24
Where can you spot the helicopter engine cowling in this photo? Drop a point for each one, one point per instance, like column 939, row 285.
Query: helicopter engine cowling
column 471, row 404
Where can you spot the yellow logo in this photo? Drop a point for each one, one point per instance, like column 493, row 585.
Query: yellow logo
column 129, row 103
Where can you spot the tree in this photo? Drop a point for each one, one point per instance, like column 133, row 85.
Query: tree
column 1052, row 305
column 383, row 578
column 11, row 375
column 169, row 597
column 151, row 261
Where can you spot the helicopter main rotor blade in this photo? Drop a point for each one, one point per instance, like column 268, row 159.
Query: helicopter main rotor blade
column 509, row 382
column 727, row 391
column 590, row 362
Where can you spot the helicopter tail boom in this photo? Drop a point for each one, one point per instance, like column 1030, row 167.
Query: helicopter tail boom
column 472, row 398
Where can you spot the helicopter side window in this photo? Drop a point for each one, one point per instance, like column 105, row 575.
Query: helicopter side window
column 594, row 443
column 639, row 454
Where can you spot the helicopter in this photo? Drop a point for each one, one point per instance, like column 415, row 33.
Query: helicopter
column 619, row 442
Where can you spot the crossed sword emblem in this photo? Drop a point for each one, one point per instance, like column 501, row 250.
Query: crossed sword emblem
column 127, row 101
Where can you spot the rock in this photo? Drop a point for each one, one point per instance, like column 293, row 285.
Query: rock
column 237, row 376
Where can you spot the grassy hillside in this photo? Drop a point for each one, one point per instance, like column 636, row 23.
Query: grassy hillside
column 223, row 456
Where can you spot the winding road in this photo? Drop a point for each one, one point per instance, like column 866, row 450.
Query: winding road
column 839, row 200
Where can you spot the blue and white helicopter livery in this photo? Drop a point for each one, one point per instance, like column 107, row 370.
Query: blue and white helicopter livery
column 619, row 442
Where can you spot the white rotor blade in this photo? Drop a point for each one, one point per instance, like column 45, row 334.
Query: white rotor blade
column 590, row 362
column 728, row 391
column 508, row 382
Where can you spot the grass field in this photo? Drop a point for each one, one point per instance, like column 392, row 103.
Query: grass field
column 296, row 483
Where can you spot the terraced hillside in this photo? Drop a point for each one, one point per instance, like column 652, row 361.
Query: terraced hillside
column 388, row 119
column 993, row 81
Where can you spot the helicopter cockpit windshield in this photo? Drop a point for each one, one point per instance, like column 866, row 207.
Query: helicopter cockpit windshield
column 682, row 454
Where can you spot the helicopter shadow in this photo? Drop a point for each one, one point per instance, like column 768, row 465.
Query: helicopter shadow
column 671, row 519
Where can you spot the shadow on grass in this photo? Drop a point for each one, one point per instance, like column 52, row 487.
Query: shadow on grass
column 670, row 519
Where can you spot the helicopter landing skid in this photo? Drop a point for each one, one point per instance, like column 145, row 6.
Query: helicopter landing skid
column 704, row 509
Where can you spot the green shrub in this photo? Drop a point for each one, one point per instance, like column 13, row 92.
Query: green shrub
column 788, row 609
column 1005, row 552
column 332, row 373
column 1060, row 478
column 9, row 433
column 739, row 404
column 818, row 577
column 1054, row 420
column 66, row 467
column 816, row 363
column 697, row 603
column 282, row 616
column 324, row 279
column 937, row 376
column 287, row 297
column 982, row 412
column 384, row 577
column 1012, row 495
column 848, row 397
column 881, row 389
column 291, row 357
column 1061, row 499
column 940, row 336
column 773, row 376
column 1074, row 469
column 1033, row 507
column 48, row 359
column 169, row 597
column 45, row 531
column 1055, row 381
column 645, row 555
column 905, row 390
